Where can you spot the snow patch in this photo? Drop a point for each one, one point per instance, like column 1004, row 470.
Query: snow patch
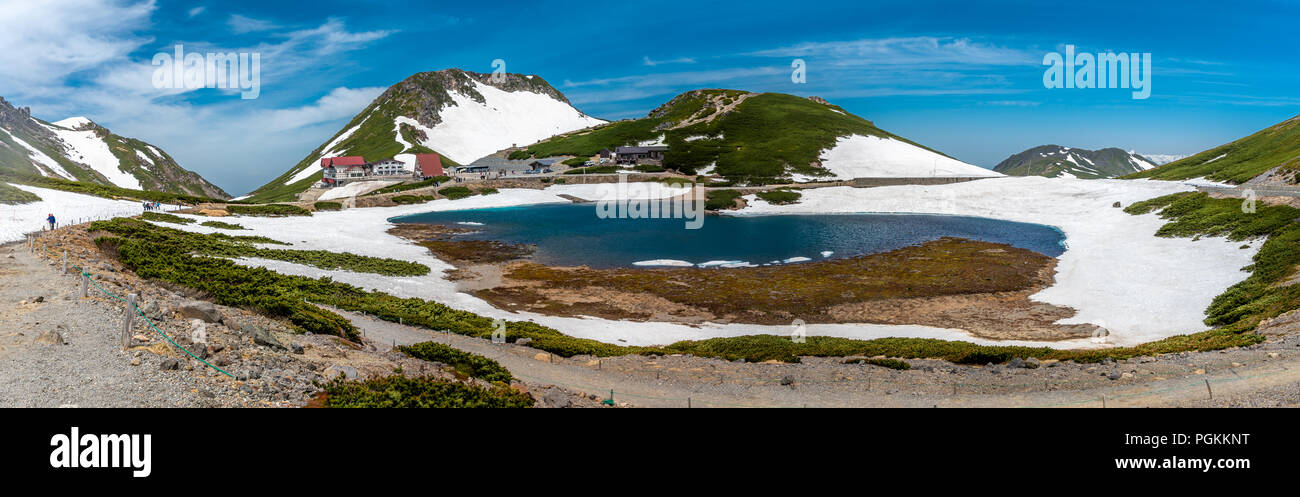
column 860, row 156
column 88, row 148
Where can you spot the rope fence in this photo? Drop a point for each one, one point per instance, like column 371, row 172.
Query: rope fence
column 131, row 308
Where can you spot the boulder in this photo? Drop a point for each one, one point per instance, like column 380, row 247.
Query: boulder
column 50, row 338
column 1032, row 363
column 265, row 338
column 198, row 309
column 556, row 398
column 169, row 364
column 335, row 370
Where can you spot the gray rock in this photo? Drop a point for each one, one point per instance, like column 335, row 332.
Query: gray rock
column 787, row 380
column 297, row 348
column 50, row 338
column 1115, row 375
column 1115, row 205
column 556, row 398
column 265, row 338
column 152, row 311
column 1033, row 363
column 335, row 370
column 169, row 364
column 523, row 341
column 198, row 309
column 1016, row 363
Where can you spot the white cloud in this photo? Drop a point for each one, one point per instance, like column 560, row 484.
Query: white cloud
column 45, row 42
column 194, row 12
column 339, row 103
column 243, row 24
column 680, row 60
column 918, row 50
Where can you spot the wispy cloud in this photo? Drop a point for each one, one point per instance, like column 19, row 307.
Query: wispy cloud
column 243, row 24
column 680, row 60
column 194, row 12
column 912, row 51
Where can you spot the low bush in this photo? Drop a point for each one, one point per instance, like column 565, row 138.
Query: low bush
column 423, row 392
column 412, row 199
column 327, row 206
column 780, row 197
column 456, row 192
column 165, row 218
column 268, row 210
column 472, row 365
column 221, row 225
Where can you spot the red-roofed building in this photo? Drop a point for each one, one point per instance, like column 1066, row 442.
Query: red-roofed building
column 338, row 169
column 428, row 165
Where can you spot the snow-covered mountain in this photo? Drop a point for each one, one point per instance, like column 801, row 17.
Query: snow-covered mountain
column 1162, row 159
column 1055, row 161
column 78, row 149
column 459, row 114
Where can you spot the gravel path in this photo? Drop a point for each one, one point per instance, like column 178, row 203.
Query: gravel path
column 89, row 369
column 1261, row 376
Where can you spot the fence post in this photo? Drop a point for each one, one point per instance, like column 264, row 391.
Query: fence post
column 84, row 286
column 65, row 262
column 130, row 319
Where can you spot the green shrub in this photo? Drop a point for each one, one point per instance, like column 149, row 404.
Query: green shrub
column 456, row 192
column 412, row 199
column 221, row 225
column 436, row 180
column 268, row 210
column 327, row 206
column 721, row 199
column 472, row 365
column 780, row 197
column 424, row 392
column 165, row 218
column 884, row 363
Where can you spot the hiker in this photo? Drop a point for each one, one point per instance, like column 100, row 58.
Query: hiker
column 51, row 220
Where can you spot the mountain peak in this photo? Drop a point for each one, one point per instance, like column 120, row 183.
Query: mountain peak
column 77, row 122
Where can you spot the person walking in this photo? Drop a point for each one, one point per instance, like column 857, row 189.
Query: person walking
column 51, row 220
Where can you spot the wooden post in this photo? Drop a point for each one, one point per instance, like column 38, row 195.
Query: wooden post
column 65, row 262
column 1207, row 388
column 130, row 319
column 85, row 287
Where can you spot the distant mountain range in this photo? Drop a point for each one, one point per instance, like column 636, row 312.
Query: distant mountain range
column 78, row 149
column 1055, row 161
column 460, row 115
column 1258, row 157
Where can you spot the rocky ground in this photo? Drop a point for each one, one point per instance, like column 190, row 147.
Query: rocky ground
column 58, row 348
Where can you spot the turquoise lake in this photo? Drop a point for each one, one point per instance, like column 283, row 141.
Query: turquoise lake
column 572, row 234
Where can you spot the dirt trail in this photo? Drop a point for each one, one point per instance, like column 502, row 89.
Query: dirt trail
column 88, row 369
column 1258, row 379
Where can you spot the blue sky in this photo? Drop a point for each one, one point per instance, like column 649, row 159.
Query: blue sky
column 964, row 78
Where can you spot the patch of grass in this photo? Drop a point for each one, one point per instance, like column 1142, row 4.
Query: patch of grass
column 884, row 363
column 423, row 392
column 456, row 192
column 780, row 197
column 221, row 225
column 15, row 196
column 268, row 210
column 472, row 365
column 165, row 218
column 717, row 200
column 327, row 206
column 412, row 199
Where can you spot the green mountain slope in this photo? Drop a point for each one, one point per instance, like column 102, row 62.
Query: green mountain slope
column 1054, row 161
column 743, row 135
column 1241, row 160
